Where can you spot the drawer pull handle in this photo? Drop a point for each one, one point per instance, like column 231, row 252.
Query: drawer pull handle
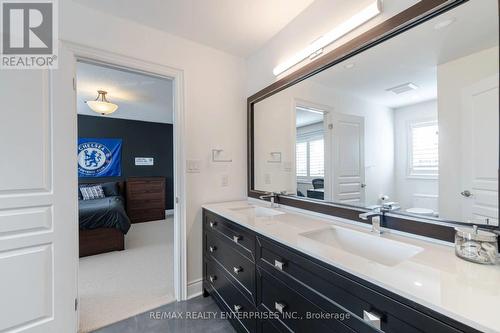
column 279, row 264
column 212, row 248
column 237, row 270
column 213, row 224
column 280, row 307
column 372, row 319
column 237, row 308
column 212, row 278
column 237, row 238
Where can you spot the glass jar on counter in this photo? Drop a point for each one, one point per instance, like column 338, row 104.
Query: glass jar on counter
column 476, row 245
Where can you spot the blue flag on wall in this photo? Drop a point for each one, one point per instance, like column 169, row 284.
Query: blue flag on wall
column 99, row 157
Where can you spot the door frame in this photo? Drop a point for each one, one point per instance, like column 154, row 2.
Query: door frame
column 327, row 111
column 87, row 53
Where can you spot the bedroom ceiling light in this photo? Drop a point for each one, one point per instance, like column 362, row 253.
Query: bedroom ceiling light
column 355, row 21
column 101, row 104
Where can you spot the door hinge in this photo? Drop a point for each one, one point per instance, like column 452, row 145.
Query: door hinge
column 76, row 304
column 176, row 200
column 330, row 126
column 74, row 84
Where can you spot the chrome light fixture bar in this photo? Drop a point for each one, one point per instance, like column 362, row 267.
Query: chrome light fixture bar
column 374, row 9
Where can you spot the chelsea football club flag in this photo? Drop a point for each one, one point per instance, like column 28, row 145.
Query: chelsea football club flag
column 99, row 157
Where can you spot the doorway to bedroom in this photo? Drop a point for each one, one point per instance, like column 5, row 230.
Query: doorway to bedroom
column 126, row 193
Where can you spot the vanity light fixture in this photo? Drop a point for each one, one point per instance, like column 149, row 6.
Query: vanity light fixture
column 345, row 27
column 101, row 104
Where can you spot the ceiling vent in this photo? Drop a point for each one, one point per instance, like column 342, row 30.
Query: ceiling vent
column 402, row 88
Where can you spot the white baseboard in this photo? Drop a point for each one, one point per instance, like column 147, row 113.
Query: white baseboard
column 169, row 212
column 194, row 288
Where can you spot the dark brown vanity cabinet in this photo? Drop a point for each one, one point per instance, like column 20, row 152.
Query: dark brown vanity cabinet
column 264, row 286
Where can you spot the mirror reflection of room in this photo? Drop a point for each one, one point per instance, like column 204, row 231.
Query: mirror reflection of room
column 371, row 133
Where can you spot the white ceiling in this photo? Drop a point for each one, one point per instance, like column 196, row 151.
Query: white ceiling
column 239, row 27
column 138, row 96
column 414, row 55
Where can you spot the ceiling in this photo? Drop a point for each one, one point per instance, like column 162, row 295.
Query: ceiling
column 414, row 56
column 239, row 27
column 138, row 96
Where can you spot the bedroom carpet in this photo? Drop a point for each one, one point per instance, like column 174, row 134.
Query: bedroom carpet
column 117, row 285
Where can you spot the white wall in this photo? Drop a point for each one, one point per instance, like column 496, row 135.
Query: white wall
column 320, row 17
column 453, row 77
column 279, row 132
column 214, row 104
column 407, row 187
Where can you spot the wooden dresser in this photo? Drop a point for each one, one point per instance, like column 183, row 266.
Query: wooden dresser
column 145, row 199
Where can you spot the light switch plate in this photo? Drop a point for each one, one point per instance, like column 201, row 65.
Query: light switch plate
column 193, row 166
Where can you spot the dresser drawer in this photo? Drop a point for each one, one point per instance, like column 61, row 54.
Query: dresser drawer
column 147, row 203
column 238, row 266
column 144, row 215
column 326, row 288
column 220, row 283
column 293, row 309
column 241, row 237
column 136, row 189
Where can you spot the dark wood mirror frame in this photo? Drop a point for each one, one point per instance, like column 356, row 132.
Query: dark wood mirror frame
column 407, row 19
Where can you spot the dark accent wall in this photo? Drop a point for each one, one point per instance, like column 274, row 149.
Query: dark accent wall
column 140, row 139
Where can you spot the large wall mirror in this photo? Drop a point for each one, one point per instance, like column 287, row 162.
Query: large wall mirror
column 412, row 123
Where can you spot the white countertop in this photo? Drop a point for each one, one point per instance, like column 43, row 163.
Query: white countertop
column 435, row 277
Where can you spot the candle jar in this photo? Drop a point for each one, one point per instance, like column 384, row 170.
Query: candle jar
column 476, row 245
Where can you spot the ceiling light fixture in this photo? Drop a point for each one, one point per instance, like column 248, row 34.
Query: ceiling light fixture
column 444, row 24
column 349, row 65
column 347, row 26
column 101, row 104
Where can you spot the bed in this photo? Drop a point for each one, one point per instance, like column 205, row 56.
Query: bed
column 103, row 222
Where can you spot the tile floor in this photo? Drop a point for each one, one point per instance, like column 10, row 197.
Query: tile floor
column 143, row 323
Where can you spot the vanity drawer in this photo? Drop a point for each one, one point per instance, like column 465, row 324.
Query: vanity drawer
column 239, row 236
column 291, row 308
column 238, row 266
column 327, row 287
column 227, row 293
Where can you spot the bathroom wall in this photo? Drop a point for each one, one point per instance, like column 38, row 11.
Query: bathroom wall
column 408, row 188
column 214, row 106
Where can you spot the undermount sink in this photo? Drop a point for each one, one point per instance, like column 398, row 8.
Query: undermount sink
column 258, row 211
column 382, row 250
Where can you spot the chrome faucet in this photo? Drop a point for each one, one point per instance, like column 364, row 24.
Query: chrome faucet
column 272, row 196
column 375, row 216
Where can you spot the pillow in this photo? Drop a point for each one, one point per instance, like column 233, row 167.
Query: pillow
column 92, row 192
column 110, row 189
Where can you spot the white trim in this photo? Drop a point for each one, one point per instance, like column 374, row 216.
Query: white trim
column 83, row 52
column 194, row 288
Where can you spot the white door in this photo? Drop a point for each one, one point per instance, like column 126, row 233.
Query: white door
column 38, row 208
column 480, row 152
column 348, row 158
